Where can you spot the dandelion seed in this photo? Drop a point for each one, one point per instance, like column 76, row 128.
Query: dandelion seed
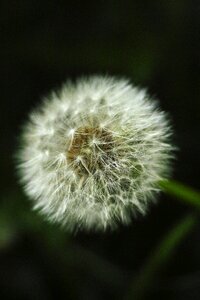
column 104, row 146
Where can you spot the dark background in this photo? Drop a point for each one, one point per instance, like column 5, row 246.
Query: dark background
column 43, row 43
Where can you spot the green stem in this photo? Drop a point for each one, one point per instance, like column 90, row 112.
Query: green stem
column 159, row 257
column 181, row 192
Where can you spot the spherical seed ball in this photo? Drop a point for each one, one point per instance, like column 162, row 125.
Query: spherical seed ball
column 93, row 152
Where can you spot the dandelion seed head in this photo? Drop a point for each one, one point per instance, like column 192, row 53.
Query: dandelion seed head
column 93, row 153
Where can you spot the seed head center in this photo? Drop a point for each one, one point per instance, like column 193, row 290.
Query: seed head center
column 90, row 150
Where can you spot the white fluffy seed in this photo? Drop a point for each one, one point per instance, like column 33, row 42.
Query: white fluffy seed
column 93, row 153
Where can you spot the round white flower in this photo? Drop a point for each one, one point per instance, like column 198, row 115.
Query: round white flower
column 93, row 153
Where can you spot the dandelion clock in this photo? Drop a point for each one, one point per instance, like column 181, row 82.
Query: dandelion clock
column 93, row 152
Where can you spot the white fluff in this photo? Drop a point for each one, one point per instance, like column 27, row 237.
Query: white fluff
column 93, row 153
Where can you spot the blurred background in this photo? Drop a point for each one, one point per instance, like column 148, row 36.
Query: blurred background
column 43, row 43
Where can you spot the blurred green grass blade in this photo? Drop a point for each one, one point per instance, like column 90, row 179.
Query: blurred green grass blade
column 159, row 257
column 181, row 191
